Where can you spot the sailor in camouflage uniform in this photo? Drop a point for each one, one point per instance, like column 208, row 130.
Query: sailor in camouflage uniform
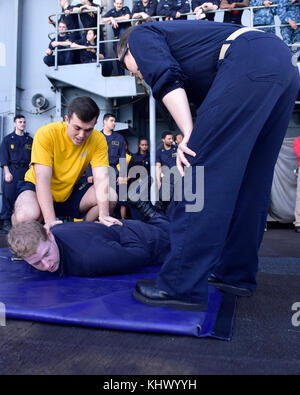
column 289, row 13
column 264, row 16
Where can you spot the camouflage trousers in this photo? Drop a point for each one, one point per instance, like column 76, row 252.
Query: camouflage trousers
column 291, row 36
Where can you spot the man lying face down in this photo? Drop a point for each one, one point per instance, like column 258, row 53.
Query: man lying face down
column 91, row 249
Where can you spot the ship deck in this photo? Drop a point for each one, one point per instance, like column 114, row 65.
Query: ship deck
column 264, row 341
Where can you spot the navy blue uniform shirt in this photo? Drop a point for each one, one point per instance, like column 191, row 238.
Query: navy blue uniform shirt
column 71, row 21
column 88, row 56
column 171, row 7
column 66, row 37
column 116, row 148
column 233, row 16
column 149, row 9
column 88, row 19
column 16, row 149
column 90, row 249
column 64, row 57
column 166, row 157
column 115, row 14
column 185, row 55
column 140, row 160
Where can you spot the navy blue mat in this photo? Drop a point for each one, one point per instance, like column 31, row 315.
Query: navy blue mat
column 105, row 302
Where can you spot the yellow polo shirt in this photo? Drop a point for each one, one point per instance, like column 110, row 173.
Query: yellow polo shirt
column 52, row 147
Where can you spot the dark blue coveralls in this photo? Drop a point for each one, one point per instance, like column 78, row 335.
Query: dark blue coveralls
column 119, row 30
column 139, row 159
column 167, row 158
column 244, row 105
column 171, row 7
column 88, row 19
column 64, row 58
column 149, row 9
column 210, row 16
column 142, row 160
column 234, row 16
column 90, row 57
column 71, row 21
column 116, row 150
column 15, row 152
column 86, row 56
column 90, row 249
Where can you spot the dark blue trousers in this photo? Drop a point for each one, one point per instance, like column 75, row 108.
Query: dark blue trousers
column 237, row 136
column 10, row 191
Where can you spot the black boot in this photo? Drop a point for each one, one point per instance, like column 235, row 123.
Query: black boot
column 145, row 208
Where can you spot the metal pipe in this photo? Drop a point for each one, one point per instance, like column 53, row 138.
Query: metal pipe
column 14, row 64
column 98, row 35
column 58, row 114
column 56, row 39
column 152, row 138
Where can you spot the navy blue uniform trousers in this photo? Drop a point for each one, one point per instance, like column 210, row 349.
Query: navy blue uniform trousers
column 237, row 136
column 10, row 190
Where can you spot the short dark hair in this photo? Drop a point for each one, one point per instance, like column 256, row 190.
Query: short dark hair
column 93, row 30
column 18, row 116
column 108, row 115
column 85, row 108
column 141, row 20
column 166, row 133
column 64, row 22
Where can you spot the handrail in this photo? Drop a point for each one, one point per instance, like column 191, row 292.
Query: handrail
column 157, row 17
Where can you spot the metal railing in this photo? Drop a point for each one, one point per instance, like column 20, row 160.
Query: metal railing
column 159, row 18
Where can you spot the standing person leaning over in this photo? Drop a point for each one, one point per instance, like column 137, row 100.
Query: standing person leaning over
column 60, row 154
column 244, row 97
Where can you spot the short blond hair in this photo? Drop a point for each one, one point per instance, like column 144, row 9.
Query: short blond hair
column 24, row 238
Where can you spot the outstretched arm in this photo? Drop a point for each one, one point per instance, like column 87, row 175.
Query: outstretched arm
column 101, row 183
column 43, row 175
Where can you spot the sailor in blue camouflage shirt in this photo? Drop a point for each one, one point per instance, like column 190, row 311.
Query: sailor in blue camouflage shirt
column 289, row 13
column 264, row 16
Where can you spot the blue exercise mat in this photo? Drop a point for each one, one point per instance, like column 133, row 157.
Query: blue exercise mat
column 104, row 302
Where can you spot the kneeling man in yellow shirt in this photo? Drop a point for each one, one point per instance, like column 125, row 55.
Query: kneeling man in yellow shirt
column 61, row 152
